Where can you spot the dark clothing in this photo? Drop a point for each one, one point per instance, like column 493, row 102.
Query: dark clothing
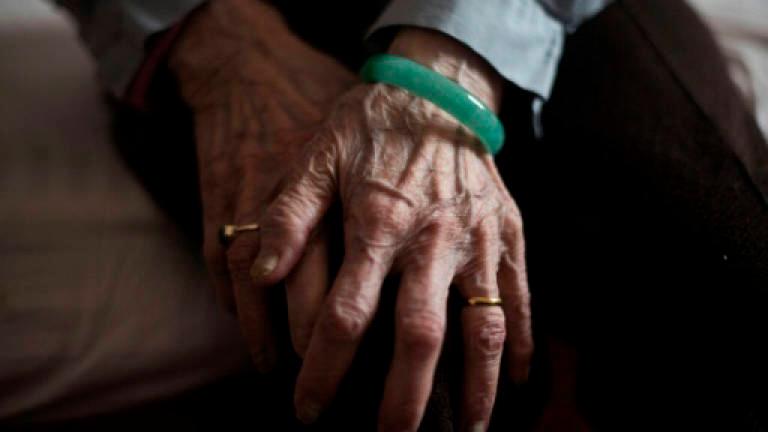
column 647, row 238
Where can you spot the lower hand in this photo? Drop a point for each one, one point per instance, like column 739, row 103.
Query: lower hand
column 258, row 94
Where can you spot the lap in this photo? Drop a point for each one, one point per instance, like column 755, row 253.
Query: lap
column 646, row 232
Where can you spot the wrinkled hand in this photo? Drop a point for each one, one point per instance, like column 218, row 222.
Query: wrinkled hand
column 258, row 95
column 422, row 198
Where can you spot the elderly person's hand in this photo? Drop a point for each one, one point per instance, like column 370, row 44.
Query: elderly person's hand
column 420, row 197
column 258, row 94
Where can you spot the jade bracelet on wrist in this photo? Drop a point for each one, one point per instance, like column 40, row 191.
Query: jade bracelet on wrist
column 448, row 95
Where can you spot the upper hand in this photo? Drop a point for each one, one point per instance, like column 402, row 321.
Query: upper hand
column 420, row 197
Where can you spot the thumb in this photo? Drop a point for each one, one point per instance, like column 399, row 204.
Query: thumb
column 289, row 220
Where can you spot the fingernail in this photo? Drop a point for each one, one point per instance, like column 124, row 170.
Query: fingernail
column 307, row 412
column 478, row 427
column 264, row 265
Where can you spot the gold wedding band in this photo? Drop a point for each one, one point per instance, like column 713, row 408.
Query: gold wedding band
column 484, row 301
column 228, row 232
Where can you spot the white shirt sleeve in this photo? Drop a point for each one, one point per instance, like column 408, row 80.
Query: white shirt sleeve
column 522, row 39
column 116, row 32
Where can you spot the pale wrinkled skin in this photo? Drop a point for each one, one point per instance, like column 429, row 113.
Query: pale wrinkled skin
column 258, row 94
column 422, row 198
column 419, row 194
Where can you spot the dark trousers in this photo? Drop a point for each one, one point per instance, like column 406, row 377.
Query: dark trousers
column 647, row 232
column 647, row 225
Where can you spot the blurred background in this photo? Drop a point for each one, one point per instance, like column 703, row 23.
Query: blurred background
column 103, row 304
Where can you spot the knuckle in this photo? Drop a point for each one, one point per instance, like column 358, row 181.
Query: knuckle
column 520, row 305
column 422, row 332
column 524, row 304
column 385, row 217
column 344, row 320
column 445, row 229
column 522, row 347
column 283, row 216
column 514, row 221
column 488, row 336
column 385, row 223
column 521, row 341
column 318, row 172
column 283, row 227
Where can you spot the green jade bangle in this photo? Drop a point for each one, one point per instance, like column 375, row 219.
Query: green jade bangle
column 441, row 91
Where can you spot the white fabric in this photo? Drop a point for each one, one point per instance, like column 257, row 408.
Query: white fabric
column 741, row 28
column 521, row 39
column 102, row 305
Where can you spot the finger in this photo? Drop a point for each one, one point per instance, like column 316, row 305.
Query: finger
column 251, row 302
column 483, row 328
column 419, row 332
column 216, row 263
column 305, row 288
column 219, row 192
column 346, row 315
column 295, row 212
column 484, row 332
column 513, row 285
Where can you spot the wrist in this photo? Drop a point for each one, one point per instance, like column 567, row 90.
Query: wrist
column 452, row 59
column 224, row 32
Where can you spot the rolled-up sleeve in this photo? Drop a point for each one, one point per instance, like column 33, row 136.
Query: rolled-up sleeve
column 522, row 39
column 116, row 32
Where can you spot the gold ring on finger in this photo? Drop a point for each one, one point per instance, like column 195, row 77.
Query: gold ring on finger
column 484, row 301
column 228, row 232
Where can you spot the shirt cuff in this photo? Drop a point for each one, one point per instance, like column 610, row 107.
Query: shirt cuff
column 517, row 37
column 137, row 92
